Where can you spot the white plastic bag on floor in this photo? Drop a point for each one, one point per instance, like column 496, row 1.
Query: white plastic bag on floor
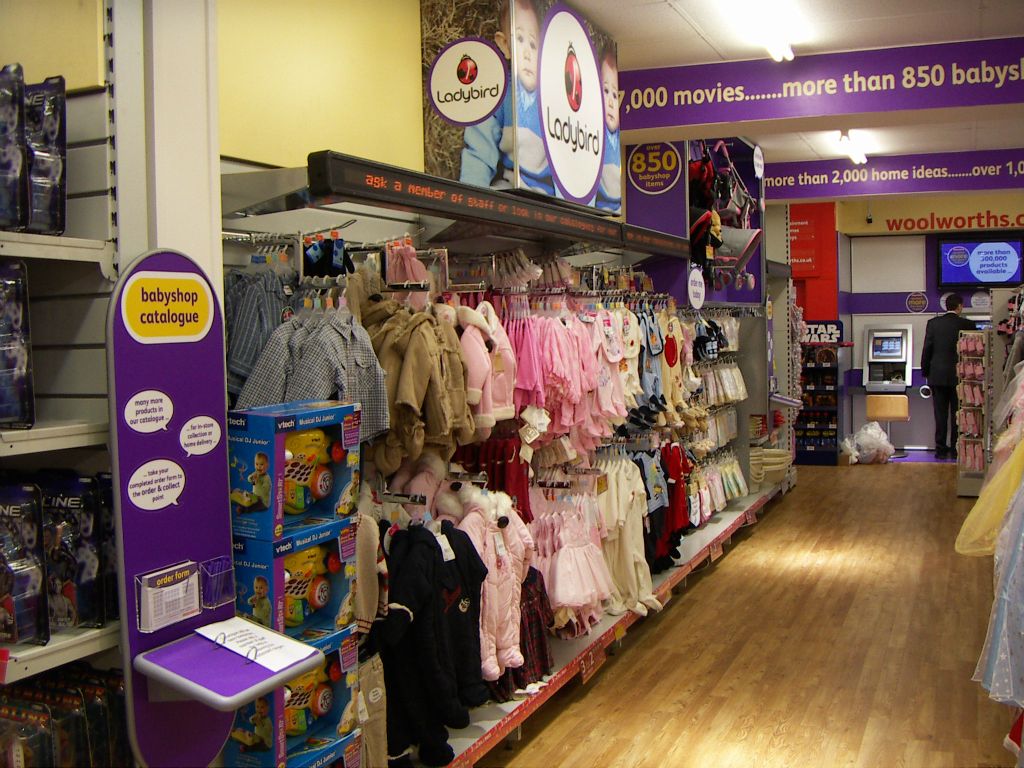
column 848, row 451
column 871, row 445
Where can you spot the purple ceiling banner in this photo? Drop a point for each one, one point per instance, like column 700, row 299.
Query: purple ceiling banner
column 965, row 74
column 898, row 174
column 165, row 367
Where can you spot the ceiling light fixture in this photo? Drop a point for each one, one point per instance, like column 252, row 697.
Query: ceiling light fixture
column 780, row 50
column 774, row 25
column 851, row 149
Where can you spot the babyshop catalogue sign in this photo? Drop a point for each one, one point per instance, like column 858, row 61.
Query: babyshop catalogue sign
column 166, row 307
column 914, row 77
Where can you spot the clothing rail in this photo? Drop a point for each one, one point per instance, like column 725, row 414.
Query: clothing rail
column 258, row 238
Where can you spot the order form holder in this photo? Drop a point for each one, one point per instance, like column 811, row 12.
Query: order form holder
column 215, row 667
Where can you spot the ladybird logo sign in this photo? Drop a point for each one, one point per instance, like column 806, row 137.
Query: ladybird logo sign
column 571, row 102
column 467, row 70
column 573, row 80
column 467, row 81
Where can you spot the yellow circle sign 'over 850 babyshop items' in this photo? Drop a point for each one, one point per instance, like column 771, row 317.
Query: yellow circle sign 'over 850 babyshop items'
column 167, row 307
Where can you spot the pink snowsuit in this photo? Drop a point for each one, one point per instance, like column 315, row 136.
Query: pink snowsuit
column 507, row 553
column 503, row 365
column 474, row 337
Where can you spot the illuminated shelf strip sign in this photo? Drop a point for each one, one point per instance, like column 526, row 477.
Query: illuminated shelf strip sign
column 334, row 175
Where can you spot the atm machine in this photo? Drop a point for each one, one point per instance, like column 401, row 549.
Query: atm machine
column 888, row 358
column 888, row 371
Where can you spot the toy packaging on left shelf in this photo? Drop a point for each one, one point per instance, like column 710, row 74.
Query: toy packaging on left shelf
column 17, row 399
column 290, row 463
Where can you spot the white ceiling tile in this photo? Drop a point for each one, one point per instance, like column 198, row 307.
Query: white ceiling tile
column 856, row 34
column 649, row 54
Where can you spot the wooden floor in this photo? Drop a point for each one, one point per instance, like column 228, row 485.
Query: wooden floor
column 842, row 630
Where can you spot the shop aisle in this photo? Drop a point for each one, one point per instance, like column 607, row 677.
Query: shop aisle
column 842, row 630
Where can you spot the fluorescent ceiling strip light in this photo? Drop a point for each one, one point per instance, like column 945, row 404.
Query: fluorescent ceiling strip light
column 774, row 25
column 780, row 50
column 854, row 152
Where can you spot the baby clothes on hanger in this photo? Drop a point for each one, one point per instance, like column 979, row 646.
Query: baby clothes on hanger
column 256, row 302
column 632, row 341
column 507, row 553
column 414, row 644
column 624, row 507
column 503, row 365
column 567, row 532
column 475, row 337
column 338, row 361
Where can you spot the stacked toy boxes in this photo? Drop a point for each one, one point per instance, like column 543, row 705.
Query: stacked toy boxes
column 294, row 488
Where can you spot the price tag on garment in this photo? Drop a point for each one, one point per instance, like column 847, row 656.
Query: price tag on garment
column 498, row 363
column 499, row 545
column 446, row 547
column 529, row 433
column 602, row 484
column 361, row 708
column 526, row 453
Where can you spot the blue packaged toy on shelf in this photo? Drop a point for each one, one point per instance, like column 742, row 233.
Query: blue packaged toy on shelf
column 307, row 718
column 17, row 397
column 23, row 611
column 73, row 551
column 46, row 150
column 108, row 543
column 302, row 584
column 13, row 161
column 292, row 462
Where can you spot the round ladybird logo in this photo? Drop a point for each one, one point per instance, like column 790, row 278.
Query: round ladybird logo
column 466, row 70
column 467, row 81
column 573, row 80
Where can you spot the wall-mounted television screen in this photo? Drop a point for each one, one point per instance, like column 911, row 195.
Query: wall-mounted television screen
column 985, row 261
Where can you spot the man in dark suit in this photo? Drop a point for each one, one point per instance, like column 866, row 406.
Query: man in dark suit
column 938, row 364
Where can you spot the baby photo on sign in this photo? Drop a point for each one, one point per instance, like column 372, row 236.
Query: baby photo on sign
column 491, row 136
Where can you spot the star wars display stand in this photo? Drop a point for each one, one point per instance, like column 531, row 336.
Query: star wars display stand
column 188, row 662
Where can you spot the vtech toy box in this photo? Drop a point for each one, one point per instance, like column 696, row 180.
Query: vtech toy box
column 290, row 463
column 309, row 718
column 300, row 585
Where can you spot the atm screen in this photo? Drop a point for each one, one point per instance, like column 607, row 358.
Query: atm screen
column 887, row 348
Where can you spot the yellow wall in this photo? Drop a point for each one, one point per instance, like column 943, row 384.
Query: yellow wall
column 54, row 37
column 306, row 75
column 937, row 213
